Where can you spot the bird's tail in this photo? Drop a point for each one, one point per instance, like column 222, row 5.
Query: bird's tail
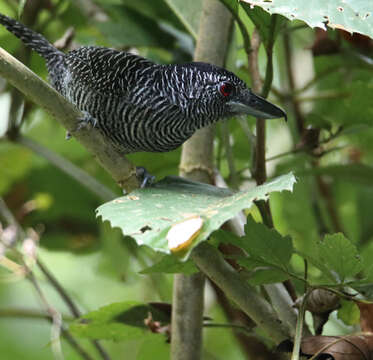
column 34, row 40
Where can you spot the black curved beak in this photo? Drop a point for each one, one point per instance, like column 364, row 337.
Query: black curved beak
column 251, row 104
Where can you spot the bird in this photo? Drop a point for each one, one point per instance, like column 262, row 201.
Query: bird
column 138, row 105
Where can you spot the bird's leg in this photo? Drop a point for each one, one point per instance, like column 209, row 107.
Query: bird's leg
column 86, row 120
column 145, row 178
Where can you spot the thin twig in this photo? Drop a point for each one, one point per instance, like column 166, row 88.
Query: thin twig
column 28, row 314
column 289, row 69
column 7, row 214
column 299, row 327
column 269, row 50
column 53, row 313
column 58, row 287
column 69, row 168
column 259, row 166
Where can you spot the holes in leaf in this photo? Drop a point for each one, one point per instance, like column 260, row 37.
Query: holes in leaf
column 145, row 228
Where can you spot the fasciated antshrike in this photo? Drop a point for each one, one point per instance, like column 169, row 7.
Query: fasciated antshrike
column 140, row 105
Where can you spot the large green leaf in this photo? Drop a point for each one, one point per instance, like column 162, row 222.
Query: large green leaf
column 189, row 13
column 139, row 30
column 349, row 15
column 148, row 214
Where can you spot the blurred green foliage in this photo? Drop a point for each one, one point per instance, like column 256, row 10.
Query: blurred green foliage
column 99, row 267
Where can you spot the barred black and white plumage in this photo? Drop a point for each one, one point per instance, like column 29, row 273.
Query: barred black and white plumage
column 140, row 105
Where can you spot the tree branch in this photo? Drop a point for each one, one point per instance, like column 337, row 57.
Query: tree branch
column 211, row 262
column 38, row 91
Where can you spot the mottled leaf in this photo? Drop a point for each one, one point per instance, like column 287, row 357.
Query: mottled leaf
column 148, row 214
column 349, row 15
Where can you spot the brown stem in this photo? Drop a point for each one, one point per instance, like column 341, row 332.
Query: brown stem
column 289, row 69
column 326, row 194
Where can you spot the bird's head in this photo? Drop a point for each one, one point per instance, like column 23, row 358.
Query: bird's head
column 222, row 92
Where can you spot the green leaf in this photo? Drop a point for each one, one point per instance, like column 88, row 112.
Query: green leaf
column 232, row 5
column 338, row 254
column 325, row 275
column 156, row 10
column 365, row 290
column 189, row 13
column 267, row 244
column 269, row 252
column 139, row 30
column 349, row 312
column 352, row 16
column 148, row 214
column 170, row 264
column 262, row 21
column 117, row 321
column 21, row 6
column 267, row 276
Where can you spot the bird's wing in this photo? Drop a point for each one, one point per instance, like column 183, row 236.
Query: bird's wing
column 107, row 71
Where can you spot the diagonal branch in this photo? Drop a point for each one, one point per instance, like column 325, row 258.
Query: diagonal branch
column 41, row 93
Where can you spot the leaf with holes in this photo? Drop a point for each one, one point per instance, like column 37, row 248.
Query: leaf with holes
column 349, row 15
column 149, row 214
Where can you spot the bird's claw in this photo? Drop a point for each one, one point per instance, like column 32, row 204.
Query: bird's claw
column 145, row 178
column 86, row 120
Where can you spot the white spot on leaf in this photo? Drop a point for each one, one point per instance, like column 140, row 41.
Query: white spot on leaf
column 181, row 234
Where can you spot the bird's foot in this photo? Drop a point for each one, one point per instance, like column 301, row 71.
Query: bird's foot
column 145, row 178
column 86, row 120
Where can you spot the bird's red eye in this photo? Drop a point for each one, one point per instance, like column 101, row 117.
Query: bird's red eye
column 226, row 89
